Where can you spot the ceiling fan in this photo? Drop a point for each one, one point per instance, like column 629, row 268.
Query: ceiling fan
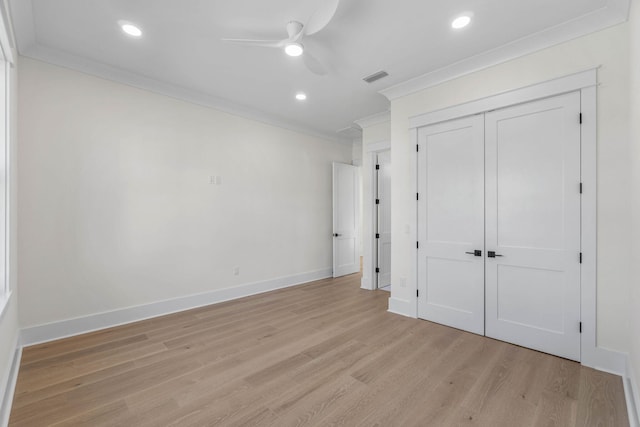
column 292, row 45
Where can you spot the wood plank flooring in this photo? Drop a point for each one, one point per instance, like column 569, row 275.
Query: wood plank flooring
column 321, row 354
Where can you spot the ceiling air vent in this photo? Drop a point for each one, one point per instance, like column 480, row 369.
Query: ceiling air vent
column 376, row 76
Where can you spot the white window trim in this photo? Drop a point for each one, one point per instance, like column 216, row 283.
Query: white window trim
column 7, row 57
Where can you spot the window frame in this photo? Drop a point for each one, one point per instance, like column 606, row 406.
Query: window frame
column 6, row 70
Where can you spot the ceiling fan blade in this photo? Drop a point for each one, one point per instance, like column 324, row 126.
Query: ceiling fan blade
column 260, row 43
column 321, row 17
column 295, row 30
column 312, row 63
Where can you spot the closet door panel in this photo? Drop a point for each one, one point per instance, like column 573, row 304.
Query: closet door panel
column 533, row 225
column 451, row 223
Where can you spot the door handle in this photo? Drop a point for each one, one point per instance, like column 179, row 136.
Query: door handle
column 492, row 254
column 475, row 253
column 336, row 235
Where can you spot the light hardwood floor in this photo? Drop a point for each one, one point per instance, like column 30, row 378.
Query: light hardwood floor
column 325, row 353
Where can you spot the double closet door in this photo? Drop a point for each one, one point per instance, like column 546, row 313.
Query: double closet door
column 499, row 224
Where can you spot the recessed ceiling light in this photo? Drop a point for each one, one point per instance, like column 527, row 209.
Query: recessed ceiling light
column 131, row 29
column 461, row 22
column 300, row 96
column 294, row 49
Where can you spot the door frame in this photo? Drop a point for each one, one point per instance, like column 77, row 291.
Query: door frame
column 584, row 82
column 376, row 216
column 369, row 279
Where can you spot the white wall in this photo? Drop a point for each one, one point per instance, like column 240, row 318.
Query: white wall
column 375, row 134
column 634, row 26
column 116, row 209
column 608, row 48
column 356, row 152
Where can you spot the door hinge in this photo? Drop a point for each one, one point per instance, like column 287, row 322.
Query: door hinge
column 580, row 118
column 417, row 147
column 377, row 201
column 417, row 293
column 580, row 257
column 377, row 167
column 377, row 270
column 580, row 326
column 417, row 245
column 417, row 196
column 377, row 235
column 580, row 188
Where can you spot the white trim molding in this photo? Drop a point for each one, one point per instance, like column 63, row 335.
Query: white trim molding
column 402, row 307
column 592, row 355
column 378, row 146
column 632, row 395
column 6, row 35
column 28, row 46
column 117, row 75
column 8, row 384
column 557, row 86
column 615, row 12
column 374, row 119
column 66, row 328
column 368, row 281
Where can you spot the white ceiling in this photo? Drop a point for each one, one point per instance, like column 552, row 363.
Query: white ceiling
column 181, row 54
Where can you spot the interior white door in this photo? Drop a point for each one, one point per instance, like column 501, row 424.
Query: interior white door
column 346, row 258
column 383, row 236
column 533, row 225
column 451, row 223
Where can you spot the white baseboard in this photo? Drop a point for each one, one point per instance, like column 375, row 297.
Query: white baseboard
column 366, row 283
column 66, row 328
column 632, row 395
column 8, row 385
column 402, row 307
column 603, row 359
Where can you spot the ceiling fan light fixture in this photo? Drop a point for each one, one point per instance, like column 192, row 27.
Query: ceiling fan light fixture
column 294, row 49
column 461, row 22
column 131, row 29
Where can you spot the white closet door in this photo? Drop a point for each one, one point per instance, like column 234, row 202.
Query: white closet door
column 384, row 218
column 451, row 223
column 533, row 225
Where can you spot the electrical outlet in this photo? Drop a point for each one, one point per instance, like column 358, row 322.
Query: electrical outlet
column 236, row 271
column 403, row 282
column 215, row 180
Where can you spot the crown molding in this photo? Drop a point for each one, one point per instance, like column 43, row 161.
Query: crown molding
column 7, row 41
column 26, row 37
column 615, row 12
column 374, row 119
column 352, row 132
column 107, row 72
column 27, row 45
column 21, row 16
